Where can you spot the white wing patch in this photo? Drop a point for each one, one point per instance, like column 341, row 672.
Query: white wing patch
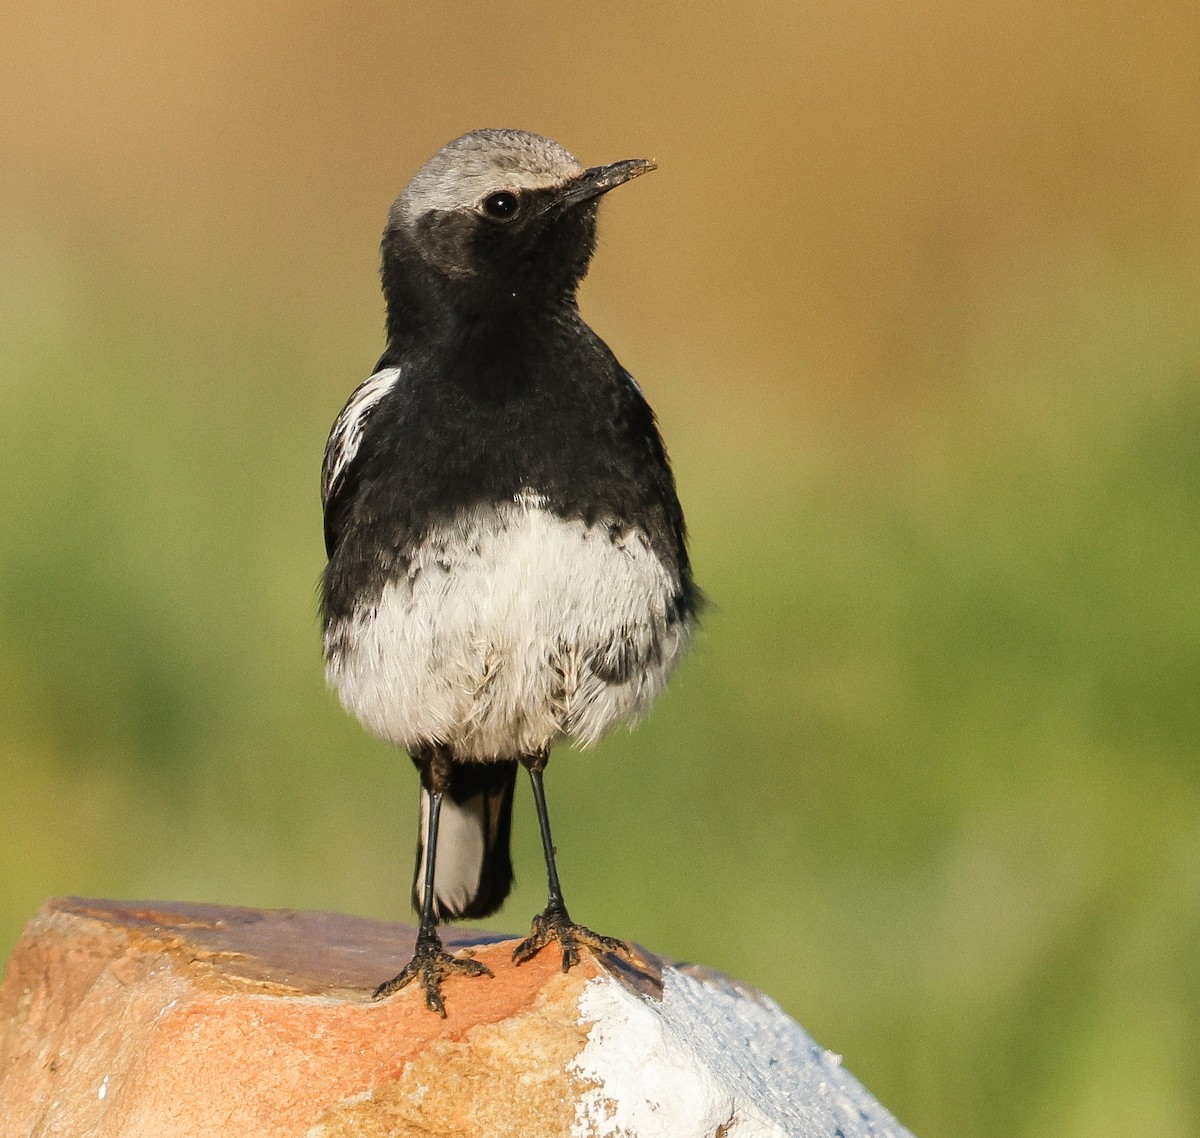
column 347, row 431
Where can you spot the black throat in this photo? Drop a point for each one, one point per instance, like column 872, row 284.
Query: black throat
column 449, row 276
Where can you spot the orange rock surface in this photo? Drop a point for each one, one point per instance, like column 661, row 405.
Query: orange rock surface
column 121, row 1019
column 125, row 1020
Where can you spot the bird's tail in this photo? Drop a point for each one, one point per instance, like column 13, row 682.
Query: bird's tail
column 473, row 872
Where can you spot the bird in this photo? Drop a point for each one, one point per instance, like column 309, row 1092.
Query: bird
column 507, row 555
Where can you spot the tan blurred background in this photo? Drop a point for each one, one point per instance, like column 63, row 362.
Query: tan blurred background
column 914, row 293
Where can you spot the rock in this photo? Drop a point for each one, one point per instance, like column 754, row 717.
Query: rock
column 127, row 1020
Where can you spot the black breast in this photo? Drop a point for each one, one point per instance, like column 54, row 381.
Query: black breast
column 482, row 416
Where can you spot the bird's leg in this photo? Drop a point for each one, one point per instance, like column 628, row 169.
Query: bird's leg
column 555, row 922
column 431, row 962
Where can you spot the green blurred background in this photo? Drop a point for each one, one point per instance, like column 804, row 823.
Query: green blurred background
column 914, row 293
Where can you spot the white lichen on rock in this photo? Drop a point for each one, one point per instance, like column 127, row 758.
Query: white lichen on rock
column 710, row 1060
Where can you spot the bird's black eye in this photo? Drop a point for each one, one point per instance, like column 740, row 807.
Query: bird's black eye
column 502, row 206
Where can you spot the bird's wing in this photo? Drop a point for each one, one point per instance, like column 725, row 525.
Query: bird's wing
column 674, row 541
column 342, row 447
column 633, row 383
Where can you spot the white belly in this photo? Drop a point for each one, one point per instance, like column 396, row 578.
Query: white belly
column 510, row 631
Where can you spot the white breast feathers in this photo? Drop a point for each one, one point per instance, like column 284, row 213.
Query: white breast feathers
column 511, row 628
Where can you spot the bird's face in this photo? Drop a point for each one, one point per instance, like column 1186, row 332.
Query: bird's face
column 504, row 215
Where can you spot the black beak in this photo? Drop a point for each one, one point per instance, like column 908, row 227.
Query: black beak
column 597, row 180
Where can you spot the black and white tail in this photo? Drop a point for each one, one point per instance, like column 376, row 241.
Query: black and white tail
column 473, row 872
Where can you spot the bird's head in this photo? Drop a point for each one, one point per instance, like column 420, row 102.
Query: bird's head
column 501, row 215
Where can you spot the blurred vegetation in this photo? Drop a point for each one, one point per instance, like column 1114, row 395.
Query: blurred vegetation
column 915, row 296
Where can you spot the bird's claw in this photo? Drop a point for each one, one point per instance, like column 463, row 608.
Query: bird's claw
column 555, row 924
column 432, row 964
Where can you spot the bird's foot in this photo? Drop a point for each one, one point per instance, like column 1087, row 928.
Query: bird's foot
column 431, row 964
column 556, row 924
